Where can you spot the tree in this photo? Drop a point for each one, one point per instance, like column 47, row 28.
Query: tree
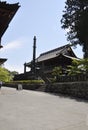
column 78, row 67
column 75, row 68
column 84, row 65
column 6, row 75
column 75, row 19
column 13, row 73
column 57, row 71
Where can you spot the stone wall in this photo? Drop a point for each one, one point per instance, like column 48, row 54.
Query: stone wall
column 74, row 89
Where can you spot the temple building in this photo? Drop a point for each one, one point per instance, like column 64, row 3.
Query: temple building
column 61, row 56
column 7, row 12
column 47, row 61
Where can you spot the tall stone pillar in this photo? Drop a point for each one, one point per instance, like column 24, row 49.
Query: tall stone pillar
column 34, row 57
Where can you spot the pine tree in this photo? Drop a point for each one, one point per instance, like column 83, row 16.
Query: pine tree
column 75, row 19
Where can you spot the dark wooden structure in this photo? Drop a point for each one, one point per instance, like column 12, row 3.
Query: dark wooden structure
column 7, row 12
column 61, row 56
column 43, row 65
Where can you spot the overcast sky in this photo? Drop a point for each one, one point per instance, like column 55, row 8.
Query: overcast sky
column 40, row 18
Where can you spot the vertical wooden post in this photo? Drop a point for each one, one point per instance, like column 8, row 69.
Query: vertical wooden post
column 0, row 43
column 24, row 68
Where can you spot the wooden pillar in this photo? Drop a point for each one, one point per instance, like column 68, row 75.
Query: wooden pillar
column 24, row 68
column 0, row 43
column 43, row 66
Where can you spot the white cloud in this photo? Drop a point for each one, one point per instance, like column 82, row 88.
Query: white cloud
column 12, row 45
column 14, row 52
column 11, row 67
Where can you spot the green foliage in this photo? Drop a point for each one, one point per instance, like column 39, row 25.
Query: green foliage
column 6, row 75
column 12, row 74
column 57, row 71
column 84, row 65
column 78, row 67
column 75, row 19
column 26, row 82
column 74, row 69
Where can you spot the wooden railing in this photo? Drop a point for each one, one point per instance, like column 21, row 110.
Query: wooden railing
column 73, row 78
column 24, row 76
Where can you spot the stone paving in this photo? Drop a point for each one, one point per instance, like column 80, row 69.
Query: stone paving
column 30, row 110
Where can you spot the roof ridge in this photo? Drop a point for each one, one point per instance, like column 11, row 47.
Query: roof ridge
column 58, row 48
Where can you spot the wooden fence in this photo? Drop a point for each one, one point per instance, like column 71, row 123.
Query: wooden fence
column 73, row 78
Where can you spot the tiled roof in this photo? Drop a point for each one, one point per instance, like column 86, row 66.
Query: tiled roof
column 65, row 50
column 55, row 53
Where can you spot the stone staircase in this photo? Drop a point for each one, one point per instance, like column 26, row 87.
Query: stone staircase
column 42, row 88
column 43, row 77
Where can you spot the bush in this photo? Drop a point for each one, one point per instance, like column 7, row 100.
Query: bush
column 25, row 82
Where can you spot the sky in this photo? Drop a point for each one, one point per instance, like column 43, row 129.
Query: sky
column 40, row 18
